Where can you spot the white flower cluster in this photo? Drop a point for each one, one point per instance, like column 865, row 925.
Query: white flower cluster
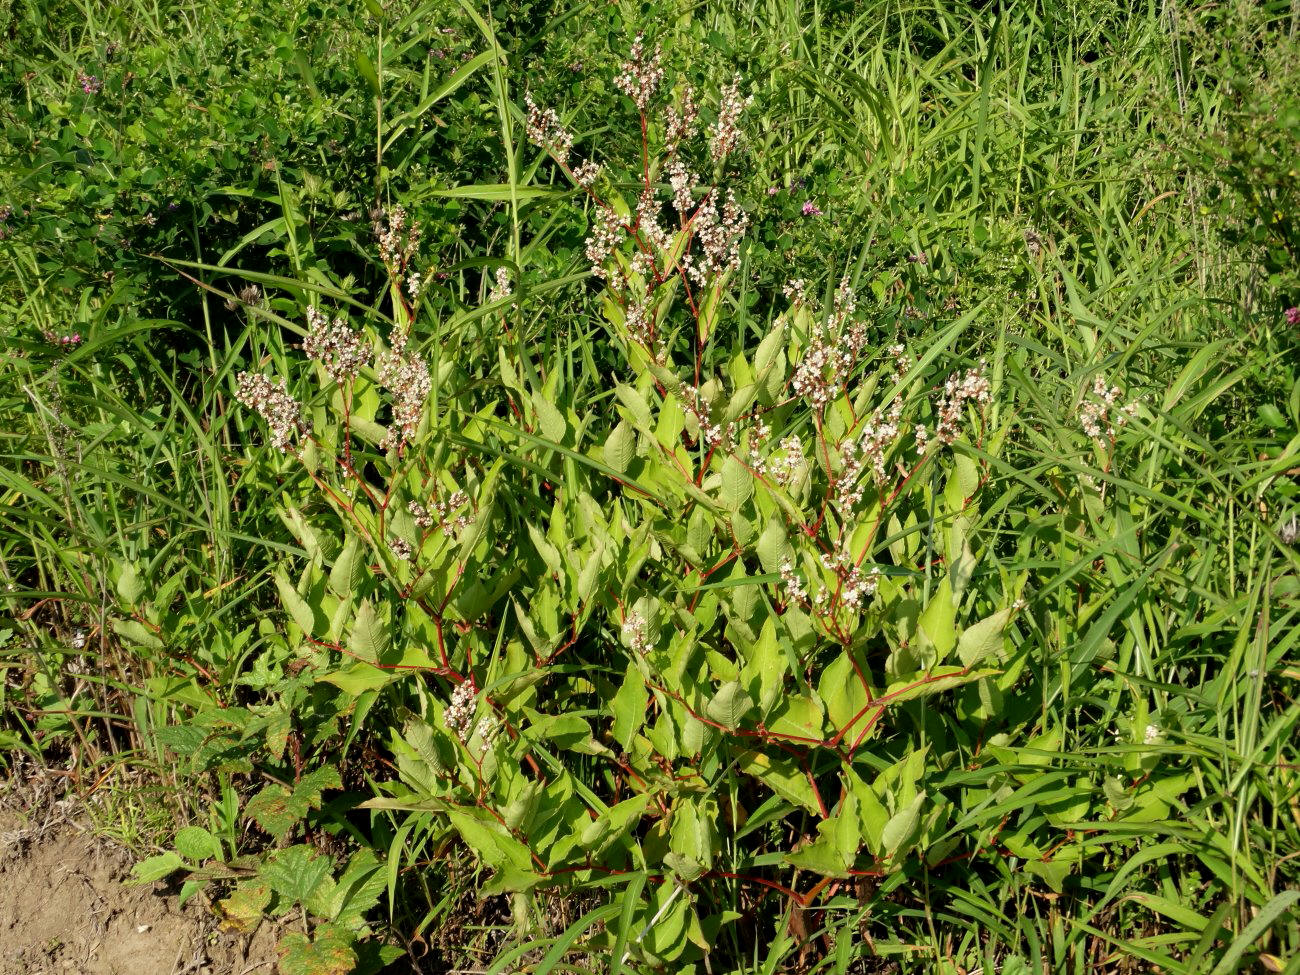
column 879, row 434
column 605, row 235
column 273, row 403
column 1100, row 414
column 856, row 586
column 406, row 376
column 250, row 294
column 460, row 712
column 486, row 729
column 544, row 130
column 398, row 241
column 1290, row 531
column 647, row 222
column 640, row 325
column 340, row 350
column 585, row 175
column 794, row 587
column 681, row 121
column 636, row 632
column 833, row 348
column 973, row 387
column 778, row 469
column 501, row 288
column 640, row 76
column 725, row 134
column 683, row 183
column 712, row 435
column 796, row 290
column 446, row 513
column 718, row 236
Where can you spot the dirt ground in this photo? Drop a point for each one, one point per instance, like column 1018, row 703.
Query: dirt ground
column 65, row 911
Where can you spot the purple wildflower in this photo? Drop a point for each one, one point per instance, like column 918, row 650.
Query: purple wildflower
column 811, row 209
column 1292, row 316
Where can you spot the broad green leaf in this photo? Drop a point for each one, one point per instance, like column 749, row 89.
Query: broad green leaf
column 549, row 419
column 773, row 546
column 297, row 607
column 620, row 447
column 155, row 868
column 629, row 706
column 295, row 872
column 196, row 844
column 137, row 633
column 782, row 776
column 939, row 620
column 983, row 639
column 737, row 483
column 729, row 705
column 901, row 828
column 349, row 568
column 369, row 637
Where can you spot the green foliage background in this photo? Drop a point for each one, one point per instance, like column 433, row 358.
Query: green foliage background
column 1060, row 734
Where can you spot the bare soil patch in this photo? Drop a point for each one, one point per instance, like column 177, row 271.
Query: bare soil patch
column 64, row 910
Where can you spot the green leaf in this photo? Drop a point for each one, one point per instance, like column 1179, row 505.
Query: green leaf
column 1269, row 415
column 782, row 776
column 629, row 706
column 367, row 71
column 620, row 447
column 900, row 829
column 983, row 639
column 842, row 691
column 369, row 638
column 277, row 810
column 274, row 810
column 155, row 868
column 636, row 406
column 137, row 633
column 549, row 419
column 590, row 573
column 349, row 568
column 130, row 587
column 729, row 705
column 737, row 483
column 939, row 620
column 358, row 889
column 295, row 872
column 768, row 350
column 196, row 844
column 358, row 678
column 496, row 847
column 297, row 607
column 773, row 546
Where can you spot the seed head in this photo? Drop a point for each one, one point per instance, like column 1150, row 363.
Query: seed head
column 1290, row 531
